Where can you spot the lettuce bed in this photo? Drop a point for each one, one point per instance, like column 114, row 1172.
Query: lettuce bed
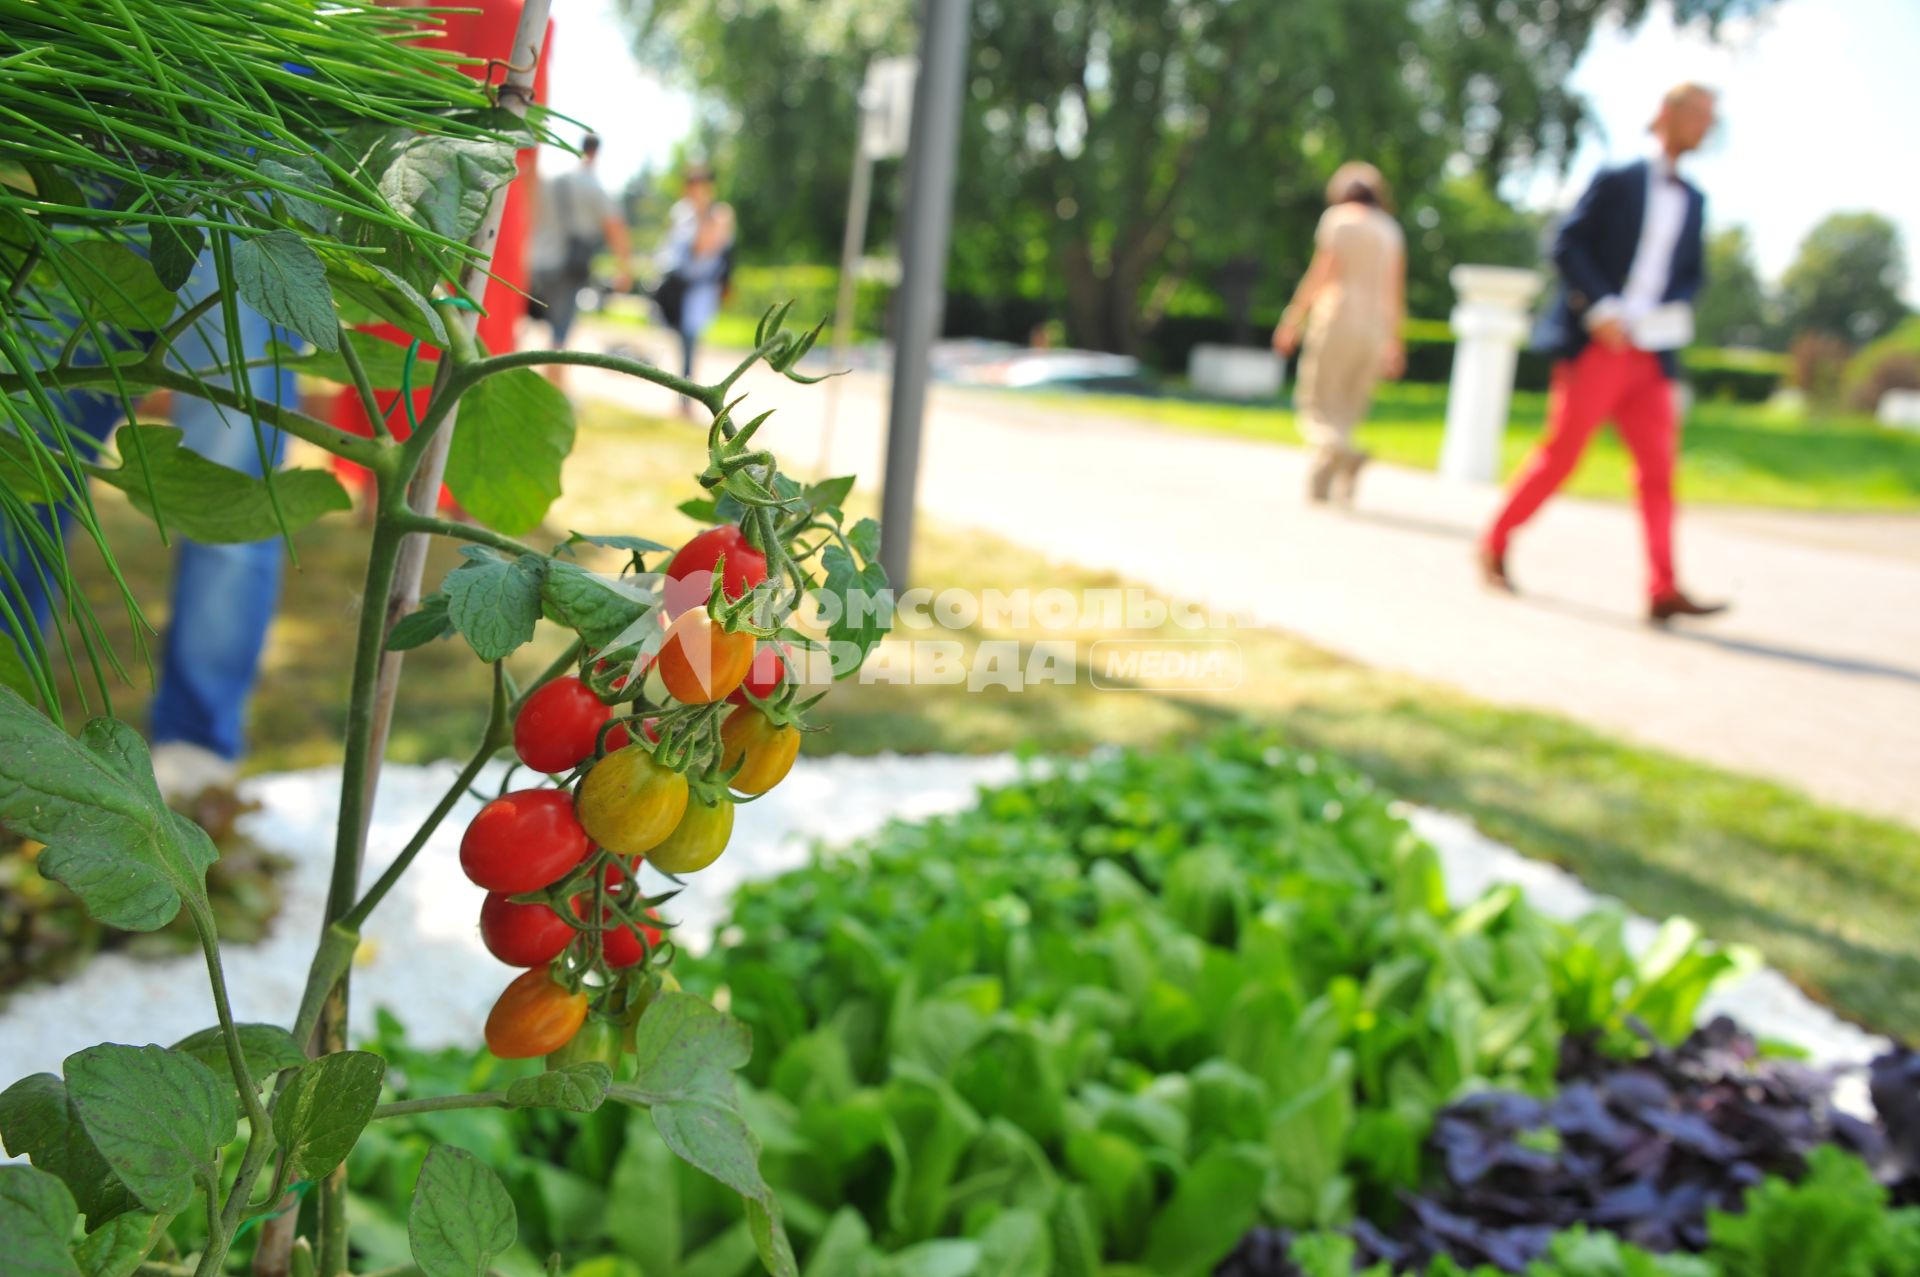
column 1113, row 1018
column 1154, row 1014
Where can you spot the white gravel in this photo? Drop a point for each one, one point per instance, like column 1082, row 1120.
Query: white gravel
column 423, row 958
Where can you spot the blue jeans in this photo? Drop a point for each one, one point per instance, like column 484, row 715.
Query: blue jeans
column 223, row 595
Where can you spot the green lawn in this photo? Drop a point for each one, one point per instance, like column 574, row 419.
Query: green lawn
column 1828, row 895
column 1730, row 454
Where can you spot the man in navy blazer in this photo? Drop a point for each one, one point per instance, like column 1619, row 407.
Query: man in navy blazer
column 1631, row 259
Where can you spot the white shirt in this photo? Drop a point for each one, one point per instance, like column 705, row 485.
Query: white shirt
column 1640, row 305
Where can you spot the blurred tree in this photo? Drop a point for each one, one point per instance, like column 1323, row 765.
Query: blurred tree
column 1733, row 308
column 1847, row 279
column 1462, row 220
column 1116, row 149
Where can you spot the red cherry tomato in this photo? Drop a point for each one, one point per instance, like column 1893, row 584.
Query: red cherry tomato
column 522, row 841
column 690, row 572
column 764, row 676
column 522, row 935
column 559, row 725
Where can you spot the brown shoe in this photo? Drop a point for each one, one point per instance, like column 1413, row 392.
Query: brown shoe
column 1665, row 607
column 1493, row 569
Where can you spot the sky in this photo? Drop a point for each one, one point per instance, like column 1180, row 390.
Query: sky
column 1820, row 109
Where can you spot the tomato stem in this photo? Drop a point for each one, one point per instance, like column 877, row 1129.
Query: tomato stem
column 491, row 742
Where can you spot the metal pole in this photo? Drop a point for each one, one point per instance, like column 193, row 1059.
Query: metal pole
column 859, row 197
column 937, row 99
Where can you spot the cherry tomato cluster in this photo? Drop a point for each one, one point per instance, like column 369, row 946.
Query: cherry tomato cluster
column 648, row 748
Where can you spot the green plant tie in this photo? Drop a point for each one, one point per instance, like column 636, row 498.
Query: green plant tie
column 413, row 351
column 299, row 1192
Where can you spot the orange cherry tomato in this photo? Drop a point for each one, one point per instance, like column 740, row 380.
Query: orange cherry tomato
column 701, row 663
column 768, row 750
column 534, row 1016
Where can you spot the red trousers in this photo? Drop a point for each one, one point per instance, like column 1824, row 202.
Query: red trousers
column 1630, row 388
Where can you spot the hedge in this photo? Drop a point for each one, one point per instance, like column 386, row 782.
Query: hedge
column 1744, row 376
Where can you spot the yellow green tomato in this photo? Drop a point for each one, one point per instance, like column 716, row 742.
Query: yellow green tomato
column 597, row 1040
column 629, row 803
column 697, row 840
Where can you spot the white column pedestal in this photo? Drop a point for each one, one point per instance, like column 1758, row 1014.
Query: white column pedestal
column 1489, row 323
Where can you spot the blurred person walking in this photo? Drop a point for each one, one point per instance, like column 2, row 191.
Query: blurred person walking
column 696, row 264
column 574, row 219
column 1351, row 301
column 1631, row 259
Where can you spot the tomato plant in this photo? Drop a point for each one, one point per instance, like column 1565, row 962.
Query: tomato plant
column 378, row 197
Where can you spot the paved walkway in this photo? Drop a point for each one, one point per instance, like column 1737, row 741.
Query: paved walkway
column 1814, row 679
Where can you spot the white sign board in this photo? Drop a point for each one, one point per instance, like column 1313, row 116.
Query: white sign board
column 886, row 107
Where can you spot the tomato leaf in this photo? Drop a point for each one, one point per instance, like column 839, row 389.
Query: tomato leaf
column 493, row 601
column 685, row 1053
column 461, row 1216
column 636, row 545
column 421, row 626
column 829, row 495
column 599, row 608
column 770, row 1236
column 864, row 537
column 267, row 1049
column 158, row 1117
column 305, row 173
column 384, row 295
column 577, row 1088
column 324, row 1109
column 116, row 284
column 279, row 275
column 173, row 250
column 37, row 1216
column 855, row 601
column 444, row 184
column 37, row 1121
column 212, row 503
column 110, row 836
column 512, row 436
column 116, row 1248
column 699, row 509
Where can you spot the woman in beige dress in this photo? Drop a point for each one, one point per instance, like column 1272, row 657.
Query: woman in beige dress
column 1352, row 301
